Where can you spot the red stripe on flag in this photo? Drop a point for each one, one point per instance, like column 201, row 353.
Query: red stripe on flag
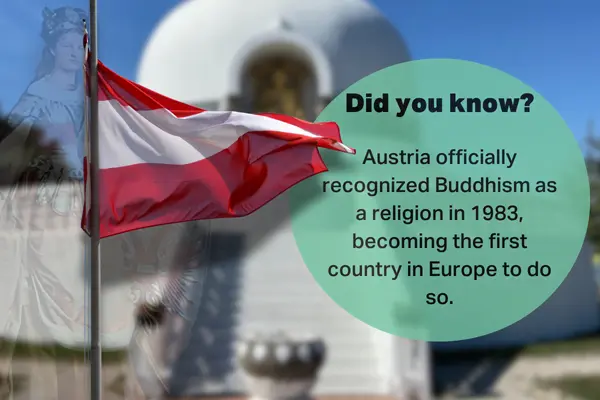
column 112, row 86
column 226, row 185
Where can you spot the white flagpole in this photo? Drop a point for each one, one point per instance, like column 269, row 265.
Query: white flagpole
column 95, row 276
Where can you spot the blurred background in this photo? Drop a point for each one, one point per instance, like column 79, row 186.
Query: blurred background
column 240, row 277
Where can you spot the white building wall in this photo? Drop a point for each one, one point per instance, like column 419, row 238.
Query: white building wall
column 279, row 293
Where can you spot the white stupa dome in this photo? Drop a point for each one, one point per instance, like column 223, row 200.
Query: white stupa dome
column 197, row 53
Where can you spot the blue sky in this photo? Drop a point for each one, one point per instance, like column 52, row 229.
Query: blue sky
column 550, row 45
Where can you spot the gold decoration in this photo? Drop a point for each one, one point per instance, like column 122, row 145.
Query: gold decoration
column 278, row 87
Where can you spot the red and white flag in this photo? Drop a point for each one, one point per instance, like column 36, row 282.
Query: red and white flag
column 163, row 161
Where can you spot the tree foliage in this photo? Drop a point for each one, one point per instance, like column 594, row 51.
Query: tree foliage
column 16, row 153
column 592, row 158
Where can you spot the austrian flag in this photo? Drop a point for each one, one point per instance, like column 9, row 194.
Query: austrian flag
column 163, row 161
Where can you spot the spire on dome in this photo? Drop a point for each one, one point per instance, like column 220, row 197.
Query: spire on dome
column 281, row 24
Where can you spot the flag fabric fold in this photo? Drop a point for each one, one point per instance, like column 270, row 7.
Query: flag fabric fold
column 163, row 161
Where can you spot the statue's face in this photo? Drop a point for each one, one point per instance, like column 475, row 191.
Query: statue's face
column 68, row 52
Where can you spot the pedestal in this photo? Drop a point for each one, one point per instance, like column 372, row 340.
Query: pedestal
column 281, row 366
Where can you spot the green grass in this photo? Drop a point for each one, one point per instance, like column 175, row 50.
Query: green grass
column 581, row 387
column 589, row 344
column 583, row 345
column 56, row 352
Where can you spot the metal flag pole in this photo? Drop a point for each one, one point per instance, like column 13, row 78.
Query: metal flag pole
column 95, row 273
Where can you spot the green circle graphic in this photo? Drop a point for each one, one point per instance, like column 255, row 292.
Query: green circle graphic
column 392, row 226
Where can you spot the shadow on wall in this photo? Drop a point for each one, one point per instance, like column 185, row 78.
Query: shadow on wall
column 472, row 373
column 207, row 362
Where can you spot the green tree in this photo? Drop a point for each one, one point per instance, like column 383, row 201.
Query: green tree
column 16, row 155
column 592, row 158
